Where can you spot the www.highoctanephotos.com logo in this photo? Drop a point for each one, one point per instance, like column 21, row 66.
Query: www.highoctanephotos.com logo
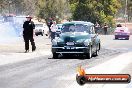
column 83, row 78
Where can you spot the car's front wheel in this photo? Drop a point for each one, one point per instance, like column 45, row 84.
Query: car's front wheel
column 116, row 37
column 55, row 55
column 89, row 54
column 127, row 38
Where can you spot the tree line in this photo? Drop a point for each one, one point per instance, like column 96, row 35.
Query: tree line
column 101, row 11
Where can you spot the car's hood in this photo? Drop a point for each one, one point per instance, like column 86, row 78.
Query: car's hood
column 70, row 37
column 122, row 29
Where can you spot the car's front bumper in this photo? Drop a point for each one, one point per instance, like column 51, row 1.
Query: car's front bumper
column 38, row 33
column 121, row 36
column 70, row 50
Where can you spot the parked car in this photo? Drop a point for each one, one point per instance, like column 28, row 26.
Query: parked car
column 122, row 33
column 41, row 29
column 77, row 37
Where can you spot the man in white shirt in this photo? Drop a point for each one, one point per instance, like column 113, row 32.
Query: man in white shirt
column 53, row 28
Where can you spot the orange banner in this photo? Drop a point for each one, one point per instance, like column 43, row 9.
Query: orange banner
column 103, row 78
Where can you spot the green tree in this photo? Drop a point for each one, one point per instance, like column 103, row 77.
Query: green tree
column 95, row 10
column 18, row 7
column 55, row 9
column 129, row 10
column 121, row 11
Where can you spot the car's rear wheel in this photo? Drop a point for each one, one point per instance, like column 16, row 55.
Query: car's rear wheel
column 41, row 34
column 55, row 55
column 97, row 50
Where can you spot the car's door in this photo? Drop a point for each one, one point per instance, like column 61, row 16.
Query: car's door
column 93, row 37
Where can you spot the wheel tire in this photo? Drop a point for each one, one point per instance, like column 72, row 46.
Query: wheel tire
column 55, row 55
column 46, row 34
column 116, row 38
column 42, row 34
column 127, row 38
column 97, row 50
column 89, row 55
column 96, row 53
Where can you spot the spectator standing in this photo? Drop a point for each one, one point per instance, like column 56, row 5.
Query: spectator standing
column 49, row 25
column 53, row 28
column 97, row 27
column 105, row 29
column 28, row 34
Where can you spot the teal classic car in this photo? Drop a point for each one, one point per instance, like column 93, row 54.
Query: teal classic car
column 77, row 37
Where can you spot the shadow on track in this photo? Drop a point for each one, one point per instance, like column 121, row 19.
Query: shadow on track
column 68, row 56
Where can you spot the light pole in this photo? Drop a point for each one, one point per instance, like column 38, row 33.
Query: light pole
column 125, row 12
column 1, row 9
column 9, row 7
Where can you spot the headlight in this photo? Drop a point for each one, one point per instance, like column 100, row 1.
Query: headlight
column 86, row 42
column 60, row 40
column 116, row 33
column 54, row 42
column 127, row 34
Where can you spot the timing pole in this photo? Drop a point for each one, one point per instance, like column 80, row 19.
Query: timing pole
column 125, row 12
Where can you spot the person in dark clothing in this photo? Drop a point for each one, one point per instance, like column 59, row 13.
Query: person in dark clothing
column 119, row 25
column 28, row 34
column 97, row 27
column 49, row 25
column 105, row 29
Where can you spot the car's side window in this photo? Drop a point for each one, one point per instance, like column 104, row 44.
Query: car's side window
column 91, row 30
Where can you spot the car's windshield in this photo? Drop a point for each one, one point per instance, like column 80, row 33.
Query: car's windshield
column 59, row 26
column 38, row 25
column 75, row 28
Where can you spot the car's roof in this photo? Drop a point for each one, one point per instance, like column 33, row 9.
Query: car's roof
column 38, row 23
column 59, row 24
column 21, row 16
column 80, row 22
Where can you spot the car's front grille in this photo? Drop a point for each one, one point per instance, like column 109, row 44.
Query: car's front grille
column 69, row 39
column 69, row 50
column 75, row 44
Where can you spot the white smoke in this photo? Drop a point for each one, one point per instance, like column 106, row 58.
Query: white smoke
column 8, row 32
